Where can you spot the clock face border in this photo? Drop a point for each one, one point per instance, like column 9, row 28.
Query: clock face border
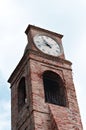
column 53, row 39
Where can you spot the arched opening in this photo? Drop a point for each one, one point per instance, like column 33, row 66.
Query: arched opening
column 54, row 88
column 21, row 93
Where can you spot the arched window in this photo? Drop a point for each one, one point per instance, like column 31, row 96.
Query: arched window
column 21, row 93
column 54, row 88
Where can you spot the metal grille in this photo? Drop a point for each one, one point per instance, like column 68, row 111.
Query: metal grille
column 54, row 89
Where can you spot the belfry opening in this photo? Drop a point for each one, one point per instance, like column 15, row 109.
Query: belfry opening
column 54, row 88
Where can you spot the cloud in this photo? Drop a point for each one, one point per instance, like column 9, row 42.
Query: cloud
column 79, row 70
column 68, row 17
column 5, row 117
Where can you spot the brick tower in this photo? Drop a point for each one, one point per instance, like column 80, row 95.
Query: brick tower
column 42, row 91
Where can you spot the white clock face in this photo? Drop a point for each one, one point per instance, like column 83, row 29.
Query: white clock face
column 47, row 45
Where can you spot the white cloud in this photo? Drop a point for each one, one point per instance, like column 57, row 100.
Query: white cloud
column 5, row 117
column 64, row 16
column 79, row 70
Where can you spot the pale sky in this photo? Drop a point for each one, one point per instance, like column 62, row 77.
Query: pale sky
column 67, row 17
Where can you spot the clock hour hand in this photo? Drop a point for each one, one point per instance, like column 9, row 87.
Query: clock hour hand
column 46, row 43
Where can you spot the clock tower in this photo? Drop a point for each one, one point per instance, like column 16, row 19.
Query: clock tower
column 43, row 95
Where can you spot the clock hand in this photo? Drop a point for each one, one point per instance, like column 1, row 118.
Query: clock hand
column 46, row 43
